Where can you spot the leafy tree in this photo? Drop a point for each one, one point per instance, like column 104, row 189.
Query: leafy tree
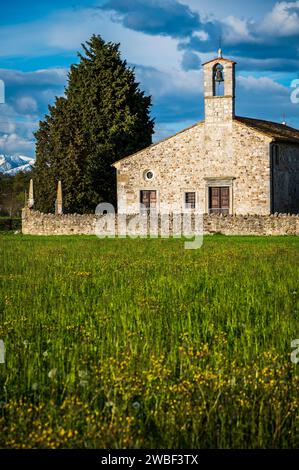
column 102, row 118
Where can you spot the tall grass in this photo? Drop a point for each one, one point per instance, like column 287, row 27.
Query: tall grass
column 140, row 343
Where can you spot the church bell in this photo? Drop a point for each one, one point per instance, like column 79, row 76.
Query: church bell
column 219, row 76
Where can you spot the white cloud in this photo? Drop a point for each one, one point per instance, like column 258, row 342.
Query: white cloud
column 27, row 99
column 166, row 81
column 263, row 84
column 264, row 98
column 52, row 76
column 201, row 35
column 26, row 105
column 283, row 20
column 218, row 9
column 15, row 144
column 237, row 30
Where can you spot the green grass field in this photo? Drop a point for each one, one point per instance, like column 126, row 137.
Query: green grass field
column 140, row 343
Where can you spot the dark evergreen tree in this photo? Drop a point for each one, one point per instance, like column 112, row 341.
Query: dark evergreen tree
column 102, row 118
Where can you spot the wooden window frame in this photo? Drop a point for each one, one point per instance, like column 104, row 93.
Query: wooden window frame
column 220, row 208
column 149, row 208
column 227, row 181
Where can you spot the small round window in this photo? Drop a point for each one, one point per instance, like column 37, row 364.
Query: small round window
column 148, row 175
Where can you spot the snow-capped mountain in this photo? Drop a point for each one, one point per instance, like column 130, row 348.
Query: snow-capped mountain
column 10, row 165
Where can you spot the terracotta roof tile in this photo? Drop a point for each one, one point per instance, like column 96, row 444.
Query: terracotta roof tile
column 279, row 132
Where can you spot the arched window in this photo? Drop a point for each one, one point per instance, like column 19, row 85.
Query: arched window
column 218, row 80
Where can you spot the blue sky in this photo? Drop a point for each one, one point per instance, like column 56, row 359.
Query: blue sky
column 165, row 40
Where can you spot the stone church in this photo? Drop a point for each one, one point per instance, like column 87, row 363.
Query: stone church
column 225, row 164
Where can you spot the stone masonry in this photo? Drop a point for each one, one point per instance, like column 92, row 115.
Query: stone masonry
column 37, row 223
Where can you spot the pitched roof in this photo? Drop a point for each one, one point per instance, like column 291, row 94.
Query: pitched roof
column 279, row 132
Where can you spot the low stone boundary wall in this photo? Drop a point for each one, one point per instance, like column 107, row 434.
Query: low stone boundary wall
column 37, row 223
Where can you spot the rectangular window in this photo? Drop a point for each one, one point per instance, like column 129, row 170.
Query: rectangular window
column 190, row 200
column 148, row 200
column 219, row 200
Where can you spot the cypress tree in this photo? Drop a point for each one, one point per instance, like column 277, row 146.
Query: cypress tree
column 103, row 117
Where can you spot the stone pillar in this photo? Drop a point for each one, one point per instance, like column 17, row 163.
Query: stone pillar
column 30, row 202
column 58, row 205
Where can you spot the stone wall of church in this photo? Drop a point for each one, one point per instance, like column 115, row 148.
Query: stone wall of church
column 251, row 154
column 36, row 223
column 187, row 162
column 285, row 160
